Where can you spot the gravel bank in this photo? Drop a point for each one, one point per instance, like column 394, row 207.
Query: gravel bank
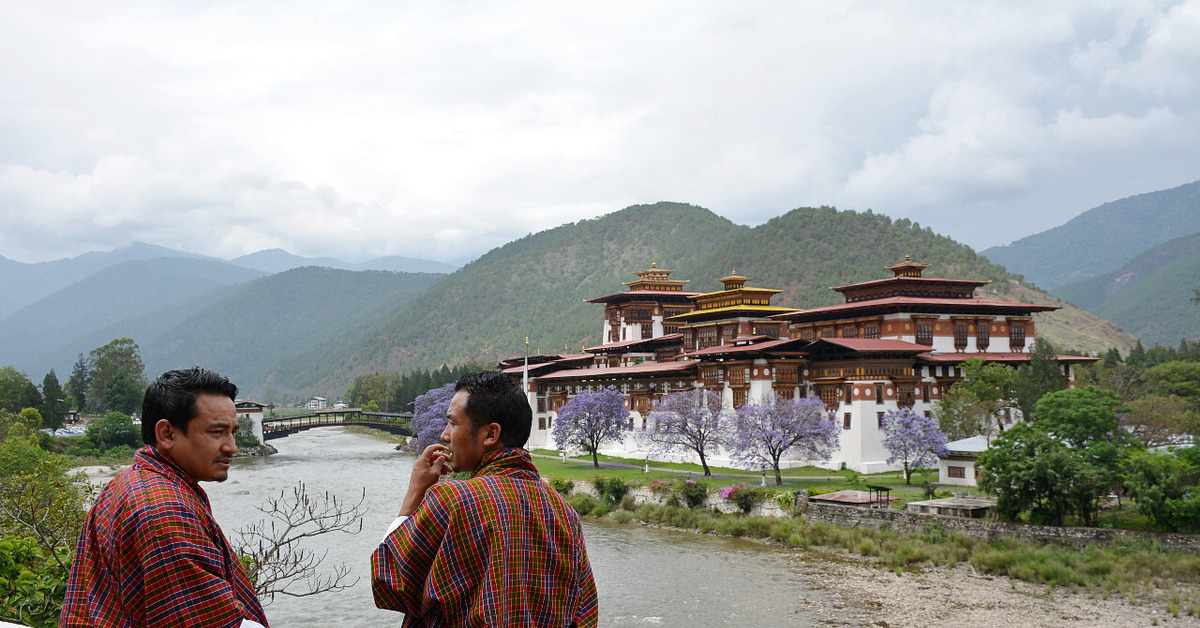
column 872, row 596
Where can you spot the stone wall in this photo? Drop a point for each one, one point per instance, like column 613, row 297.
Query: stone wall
column 915, row 523
column 987, row 530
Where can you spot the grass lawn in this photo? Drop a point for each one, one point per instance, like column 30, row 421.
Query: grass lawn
column 579, row 469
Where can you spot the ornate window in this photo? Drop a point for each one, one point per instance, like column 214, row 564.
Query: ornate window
column 1016, row 335
column 956, row 472
column 871, row 331
column 983, row 336
column 960, row 336
column 846, row 421
column 925, row 333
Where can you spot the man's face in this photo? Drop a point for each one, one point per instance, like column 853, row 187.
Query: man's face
column 466, row 442
column 206, row 450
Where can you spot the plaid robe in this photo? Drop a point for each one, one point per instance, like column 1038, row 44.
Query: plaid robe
column 152, row 555
column 499, row 549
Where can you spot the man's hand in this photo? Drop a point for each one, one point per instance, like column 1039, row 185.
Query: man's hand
column 427, row 468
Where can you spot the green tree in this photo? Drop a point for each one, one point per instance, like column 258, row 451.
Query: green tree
column 1030, row 470
column 1179, row 377
column 1062, row 462
column 1165, row 489
column 77, row 384
column 54, row 406
column 1159, row 420
column 115, row 371
column 962, row 415
column 32, row 584
column 993, row 385
column 1041, row 376
column 16, row 391
column 116, row 429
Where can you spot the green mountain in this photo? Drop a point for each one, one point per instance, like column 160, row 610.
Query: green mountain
column 33, row 336
column 247, row 332
column 536, row 287
column 1101, row 239
column 1151, row 296
column 22, row 284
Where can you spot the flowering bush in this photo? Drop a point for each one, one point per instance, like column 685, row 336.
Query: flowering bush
column 745, row 497
column 659, row 487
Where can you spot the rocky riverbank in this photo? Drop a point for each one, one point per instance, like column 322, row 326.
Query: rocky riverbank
column 955, row 596
column 259, row 450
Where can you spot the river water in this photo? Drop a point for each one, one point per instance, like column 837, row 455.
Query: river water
column 645, row 576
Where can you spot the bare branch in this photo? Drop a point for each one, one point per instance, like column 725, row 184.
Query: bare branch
column 278, row 562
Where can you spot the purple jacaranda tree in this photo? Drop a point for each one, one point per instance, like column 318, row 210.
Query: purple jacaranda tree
column 690, row 420
column 590, row 419
column 429, row 416
column 767, row 430
column 913, row 440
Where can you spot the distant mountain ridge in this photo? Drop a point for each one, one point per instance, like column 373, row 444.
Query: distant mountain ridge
column 1150, row 296
column 22, row 284
column 279, row 260
column 536, row 287
column 1101, row 239
column 311, row 330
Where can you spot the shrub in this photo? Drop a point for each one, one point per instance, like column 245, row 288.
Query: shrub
column 564, row 486
column 745, row 497
column 584, row 504
column 628, row 502
column 611, row 489
column 786, row 502
column 622, row 516
column 693, row 493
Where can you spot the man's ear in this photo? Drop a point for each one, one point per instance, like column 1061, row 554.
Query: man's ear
column 491, row 434
column 164, row 435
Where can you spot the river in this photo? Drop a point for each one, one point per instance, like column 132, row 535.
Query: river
column 645, row 576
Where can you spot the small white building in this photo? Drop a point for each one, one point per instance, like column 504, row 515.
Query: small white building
column 252, row 411
column 317, row 403
column 958, row 467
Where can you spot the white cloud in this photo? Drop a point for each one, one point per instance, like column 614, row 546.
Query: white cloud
column 436, row 129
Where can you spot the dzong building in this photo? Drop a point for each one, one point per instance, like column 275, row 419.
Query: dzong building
column 895, row 342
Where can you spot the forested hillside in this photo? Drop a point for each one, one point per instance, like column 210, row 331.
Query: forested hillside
column 246, row 333
column 1101, row 239
column 535, row 287
column 1151, row 296
column 52, row 331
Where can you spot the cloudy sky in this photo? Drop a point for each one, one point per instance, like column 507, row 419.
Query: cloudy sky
column 442, row 129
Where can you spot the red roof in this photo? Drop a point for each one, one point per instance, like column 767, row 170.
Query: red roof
column 630, row 343
column 895, row 303
column 850, row 496
column 876, row 344
column 643, row 293
column 917, row 280
column 746, row 348
column 646, row 368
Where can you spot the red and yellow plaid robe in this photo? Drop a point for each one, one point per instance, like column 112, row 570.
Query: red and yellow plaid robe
column 152, row 555
column 499, row 549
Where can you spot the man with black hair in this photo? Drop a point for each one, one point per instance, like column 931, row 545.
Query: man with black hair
column 498, row 549
column 151, row 553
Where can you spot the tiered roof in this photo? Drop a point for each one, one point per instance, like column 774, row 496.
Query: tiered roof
column 908, row 291
column 736, row 300
column 653, row 282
